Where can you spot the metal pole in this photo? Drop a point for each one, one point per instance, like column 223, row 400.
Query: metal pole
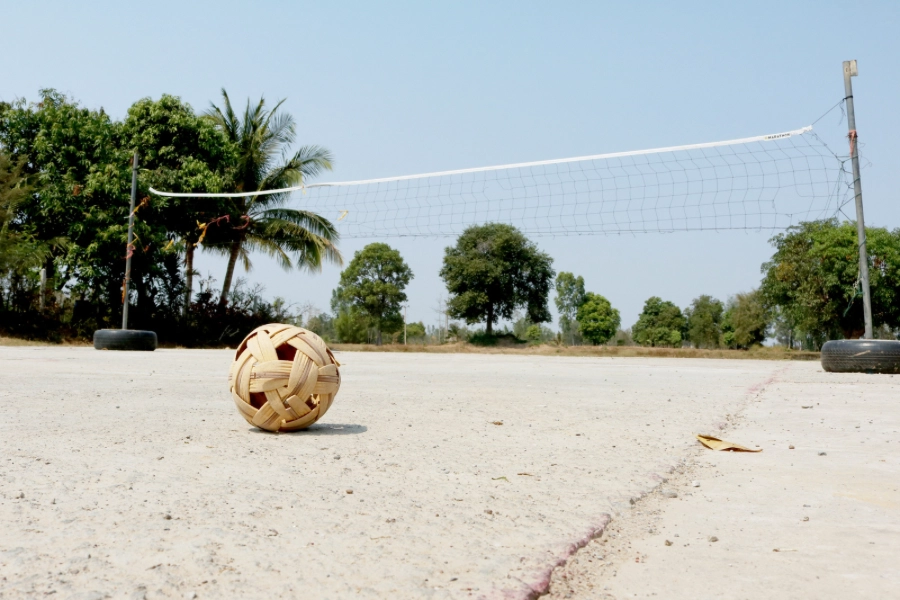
column 43, row 287
column 129, row 248
column 851, row 71
column 404, row 325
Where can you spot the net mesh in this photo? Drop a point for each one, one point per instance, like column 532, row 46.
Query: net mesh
column 766, row 184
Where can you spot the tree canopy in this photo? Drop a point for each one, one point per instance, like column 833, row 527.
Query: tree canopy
column 374, row 283
column 659, row 324
column 812, row 279
column 350, row 325
column 78, row 165
column 570, row 295
column 598, row 320
column 492, row 270
column 415, row 330
column 746, row 321
column 704, row 322
column 18, row 249
column 179, row 152
column 79, row 160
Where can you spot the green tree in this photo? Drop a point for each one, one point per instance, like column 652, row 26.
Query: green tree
column 746, row 321
column 350, row 325
column 82, row 171
column 598, row 320
column 373, row 283
column 179, row 152
column 813, row 274
column 62, row 145
column 704, row 322
column 783, row 329
column 18, row 249
column 527, row 331
column 415, row 330
column 570, row 296
column 20, row 252
column 492, row 270
column 533, row 334
column 323, row 325
column 659, row 324
column 457, row 332
column 520, row 325
column 262, row 222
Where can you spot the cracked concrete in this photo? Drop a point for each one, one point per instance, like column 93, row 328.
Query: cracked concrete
column 815, row 515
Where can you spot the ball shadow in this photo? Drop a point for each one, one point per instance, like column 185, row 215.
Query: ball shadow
column 321, row 429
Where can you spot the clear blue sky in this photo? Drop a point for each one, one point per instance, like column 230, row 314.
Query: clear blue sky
column 404, row 87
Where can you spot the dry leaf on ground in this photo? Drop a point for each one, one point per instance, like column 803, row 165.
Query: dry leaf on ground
column 717, row 444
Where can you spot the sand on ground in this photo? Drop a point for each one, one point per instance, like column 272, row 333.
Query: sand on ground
column 442, row 476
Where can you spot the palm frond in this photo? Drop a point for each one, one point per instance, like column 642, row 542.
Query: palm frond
column 244, row 257
column 312, row 160
column 307, row 162
column 266, row 202
column 310, row 248
column 271, row 248
column 218, row 248
column 281, row 128
column 293, row 237
column 227, row 120
column 315, row 223
column 282, row 176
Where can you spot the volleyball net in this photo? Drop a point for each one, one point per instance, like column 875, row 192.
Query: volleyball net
column 766, row 182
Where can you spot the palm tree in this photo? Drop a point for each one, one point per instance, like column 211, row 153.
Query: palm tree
column 262, row 222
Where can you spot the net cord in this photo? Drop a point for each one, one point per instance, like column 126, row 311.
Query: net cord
column 556, row 161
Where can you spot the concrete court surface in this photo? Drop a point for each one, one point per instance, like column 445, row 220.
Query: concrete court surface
column 433, row 475
column 815, row 515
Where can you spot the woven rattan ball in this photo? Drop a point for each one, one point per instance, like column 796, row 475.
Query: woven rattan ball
column 283, row 378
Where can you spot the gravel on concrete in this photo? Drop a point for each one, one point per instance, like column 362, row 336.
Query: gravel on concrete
column 132, row 475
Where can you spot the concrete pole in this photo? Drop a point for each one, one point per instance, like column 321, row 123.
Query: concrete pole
column 128, row 250
column 404, row 325
column 851, row 71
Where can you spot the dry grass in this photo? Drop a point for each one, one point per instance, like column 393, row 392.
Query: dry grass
column 758, row 353
column 8, row 341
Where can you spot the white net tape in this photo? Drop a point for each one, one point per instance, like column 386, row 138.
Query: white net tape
column 762, row 183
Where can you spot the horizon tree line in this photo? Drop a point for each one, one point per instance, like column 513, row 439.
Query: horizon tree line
column 64, row 170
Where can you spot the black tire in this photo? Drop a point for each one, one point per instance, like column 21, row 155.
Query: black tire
column 861, row 356
column 124, row 339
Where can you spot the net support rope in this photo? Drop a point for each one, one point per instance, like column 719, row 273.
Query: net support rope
column 764, row 182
